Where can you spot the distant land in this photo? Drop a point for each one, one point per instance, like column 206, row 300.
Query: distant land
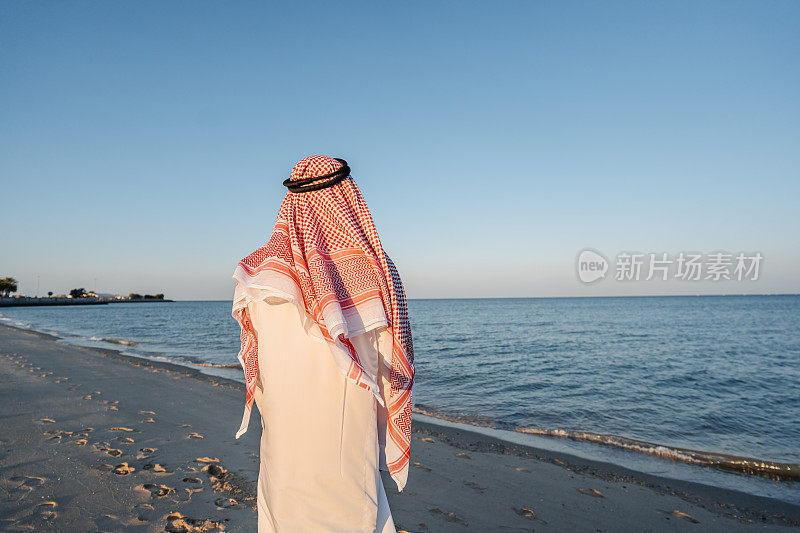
column 86, row 299
column 80, row 296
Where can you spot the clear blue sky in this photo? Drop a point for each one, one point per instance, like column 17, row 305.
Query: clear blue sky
column 143, row 144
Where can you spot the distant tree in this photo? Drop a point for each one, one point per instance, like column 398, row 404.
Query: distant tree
column 149, row 297
column 77, row 293
column 159, row 296
column 134, row 296
column 49, row 294
column 7, row 286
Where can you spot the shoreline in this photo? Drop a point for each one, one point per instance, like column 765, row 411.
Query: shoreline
column 687, row 490
column 749, row 466
column 459, row 477
column 700, row 466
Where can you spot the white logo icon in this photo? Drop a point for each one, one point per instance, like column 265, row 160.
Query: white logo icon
column 591, row 266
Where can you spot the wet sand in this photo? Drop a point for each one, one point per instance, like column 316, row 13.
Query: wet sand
column 93, row 440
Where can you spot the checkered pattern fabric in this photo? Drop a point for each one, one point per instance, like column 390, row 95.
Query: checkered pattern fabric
column 325, row 247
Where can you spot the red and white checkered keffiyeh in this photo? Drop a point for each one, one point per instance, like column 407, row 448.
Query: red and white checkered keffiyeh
column 325, row 257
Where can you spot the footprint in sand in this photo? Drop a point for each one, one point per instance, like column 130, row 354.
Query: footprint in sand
column 81, row 442
column 526, row 512
column 177, row 523
column 185, row 425
column 155, row 467
column 24, row 485
column 46, row 420
column 592, row 492
column 145, row 513
column 226, row 503
column 147, row 412
column 426, row 439
column 57, row 435
column 202, row 460
column 123, row 469
column 124, row 440
column 678, row 514
column 60, row 380
column 120, row 429
column 113, row 452
column 463, row 455
column 101, row 446
column 47, row 510
column 148, row 420
column 217, row 475
column 155, row 490
column 215, row 470
column 194, row 436
column 113, row 408
column 146, row 453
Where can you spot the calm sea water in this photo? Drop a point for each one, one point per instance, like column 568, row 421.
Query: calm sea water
column 710, row 374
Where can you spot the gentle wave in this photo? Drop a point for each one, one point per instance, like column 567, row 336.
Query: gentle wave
column 220, row 365
column 15, row 323
column 112, row 340
column 734, row 463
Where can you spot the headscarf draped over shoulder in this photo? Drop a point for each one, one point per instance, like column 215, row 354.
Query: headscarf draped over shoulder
column 325, row 256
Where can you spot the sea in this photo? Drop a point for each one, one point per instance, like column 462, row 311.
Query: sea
column 699, row 388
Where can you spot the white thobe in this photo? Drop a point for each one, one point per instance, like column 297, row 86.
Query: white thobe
column 319, row 442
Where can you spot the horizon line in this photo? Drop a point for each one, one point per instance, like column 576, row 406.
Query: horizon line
column 559, row 297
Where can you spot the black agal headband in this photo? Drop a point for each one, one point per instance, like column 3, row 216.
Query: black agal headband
column 319, row 182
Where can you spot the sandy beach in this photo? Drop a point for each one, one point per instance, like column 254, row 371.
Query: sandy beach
column 94, row 440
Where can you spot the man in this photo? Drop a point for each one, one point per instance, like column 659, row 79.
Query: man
column 327, row 354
